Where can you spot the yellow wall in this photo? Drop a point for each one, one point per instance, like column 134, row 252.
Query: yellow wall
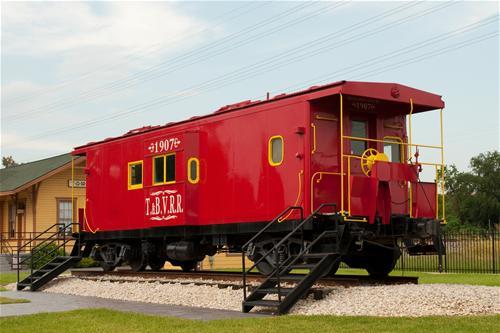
column 53, row 188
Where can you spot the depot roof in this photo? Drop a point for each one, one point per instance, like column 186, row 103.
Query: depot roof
column 20, row 177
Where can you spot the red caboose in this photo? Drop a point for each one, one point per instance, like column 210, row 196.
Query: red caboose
column 341, row 154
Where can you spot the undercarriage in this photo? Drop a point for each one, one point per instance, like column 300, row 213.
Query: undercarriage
column 374, row 247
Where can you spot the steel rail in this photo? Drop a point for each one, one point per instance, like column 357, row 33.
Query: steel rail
column 343, row 280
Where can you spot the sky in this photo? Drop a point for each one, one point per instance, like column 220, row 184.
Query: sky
column 75, row 72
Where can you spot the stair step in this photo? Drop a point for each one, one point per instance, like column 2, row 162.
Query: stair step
column 262, row 302
column 303, row 266
column 294, row 277
column 317, row 255
column 32, row 278
column 273, row 290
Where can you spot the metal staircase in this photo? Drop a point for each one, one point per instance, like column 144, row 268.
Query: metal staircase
column 317, row 263
column 42, row 248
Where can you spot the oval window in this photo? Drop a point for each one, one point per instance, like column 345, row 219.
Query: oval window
column 276, row 150
column 193, row 170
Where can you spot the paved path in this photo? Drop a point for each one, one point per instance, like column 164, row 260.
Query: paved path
column 51, row 302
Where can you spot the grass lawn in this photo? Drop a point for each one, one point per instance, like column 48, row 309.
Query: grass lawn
column 11, row 277
column 456, row 278
column 101, row 320
column 7, row 300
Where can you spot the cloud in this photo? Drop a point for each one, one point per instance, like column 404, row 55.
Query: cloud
column 12, row 142
column 84, row 34
column 49, row 27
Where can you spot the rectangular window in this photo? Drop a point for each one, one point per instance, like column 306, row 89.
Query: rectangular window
column 12, row 220
column 170, row 174
column 159, row 170
column 164, row 169
column 65, row 214
column 393, row 150
column 276, row 150
column 358, row 129
column 135, row 175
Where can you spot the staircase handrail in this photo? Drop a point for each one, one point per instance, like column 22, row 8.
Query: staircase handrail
column 39, row 235
column 299, row 226
column 52, row 251
column 278, row 245
column 46, row 242
column 276, row 219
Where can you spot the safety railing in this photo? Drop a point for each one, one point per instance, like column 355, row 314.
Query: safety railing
column 5, row 244
column 278, row 269
column 439, row 167
column 245, row 249
column 59, row 235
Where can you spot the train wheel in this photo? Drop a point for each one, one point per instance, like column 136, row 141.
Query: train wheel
column 156, row 263
column 188, row 266
column 378, row 262
column 382, row 264
column 268, row 264
column 138, row 263
column 107, row 267
column 265, row 267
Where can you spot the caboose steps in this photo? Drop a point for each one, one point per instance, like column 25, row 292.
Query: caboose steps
column 308, row 258
column 42, row 248
column 45, row 274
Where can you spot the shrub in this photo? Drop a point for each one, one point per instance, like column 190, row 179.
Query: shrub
column 44, row 253
column 87, row 262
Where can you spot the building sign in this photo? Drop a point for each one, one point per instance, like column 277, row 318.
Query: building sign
column 77, row 183
column 163, row 205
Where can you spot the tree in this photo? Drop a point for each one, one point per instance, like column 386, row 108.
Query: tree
column 473, row 198
column 8, row 161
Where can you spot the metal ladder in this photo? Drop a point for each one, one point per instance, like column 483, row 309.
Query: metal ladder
column 272, row 285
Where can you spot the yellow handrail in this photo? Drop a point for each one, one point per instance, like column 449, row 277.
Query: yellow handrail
column 314, row 138
column 349, row 186
column 321, row 173
column 299, row 192
column 442, row 166
column 410, row 157
column 389, row 141
column 409, row 130
column 341, row 154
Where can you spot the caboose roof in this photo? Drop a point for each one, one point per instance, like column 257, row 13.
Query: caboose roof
column 393, row 93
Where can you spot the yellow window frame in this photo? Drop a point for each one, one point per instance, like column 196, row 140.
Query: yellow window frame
column 396, row 140
column 154, row 169
column 190, row 179
column 165, row 173
column 164, row 181
column 270, row 150
column 129, row 168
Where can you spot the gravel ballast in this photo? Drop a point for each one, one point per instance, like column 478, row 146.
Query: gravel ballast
column 393, row 300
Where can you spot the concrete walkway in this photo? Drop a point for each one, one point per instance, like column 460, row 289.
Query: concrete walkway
column 51, row 302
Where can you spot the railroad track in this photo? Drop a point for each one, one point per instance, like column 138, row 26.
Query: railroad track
column 229, row 278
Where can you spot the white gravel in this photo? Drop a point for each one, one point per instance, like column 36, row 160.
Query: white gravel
column 394, row 300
